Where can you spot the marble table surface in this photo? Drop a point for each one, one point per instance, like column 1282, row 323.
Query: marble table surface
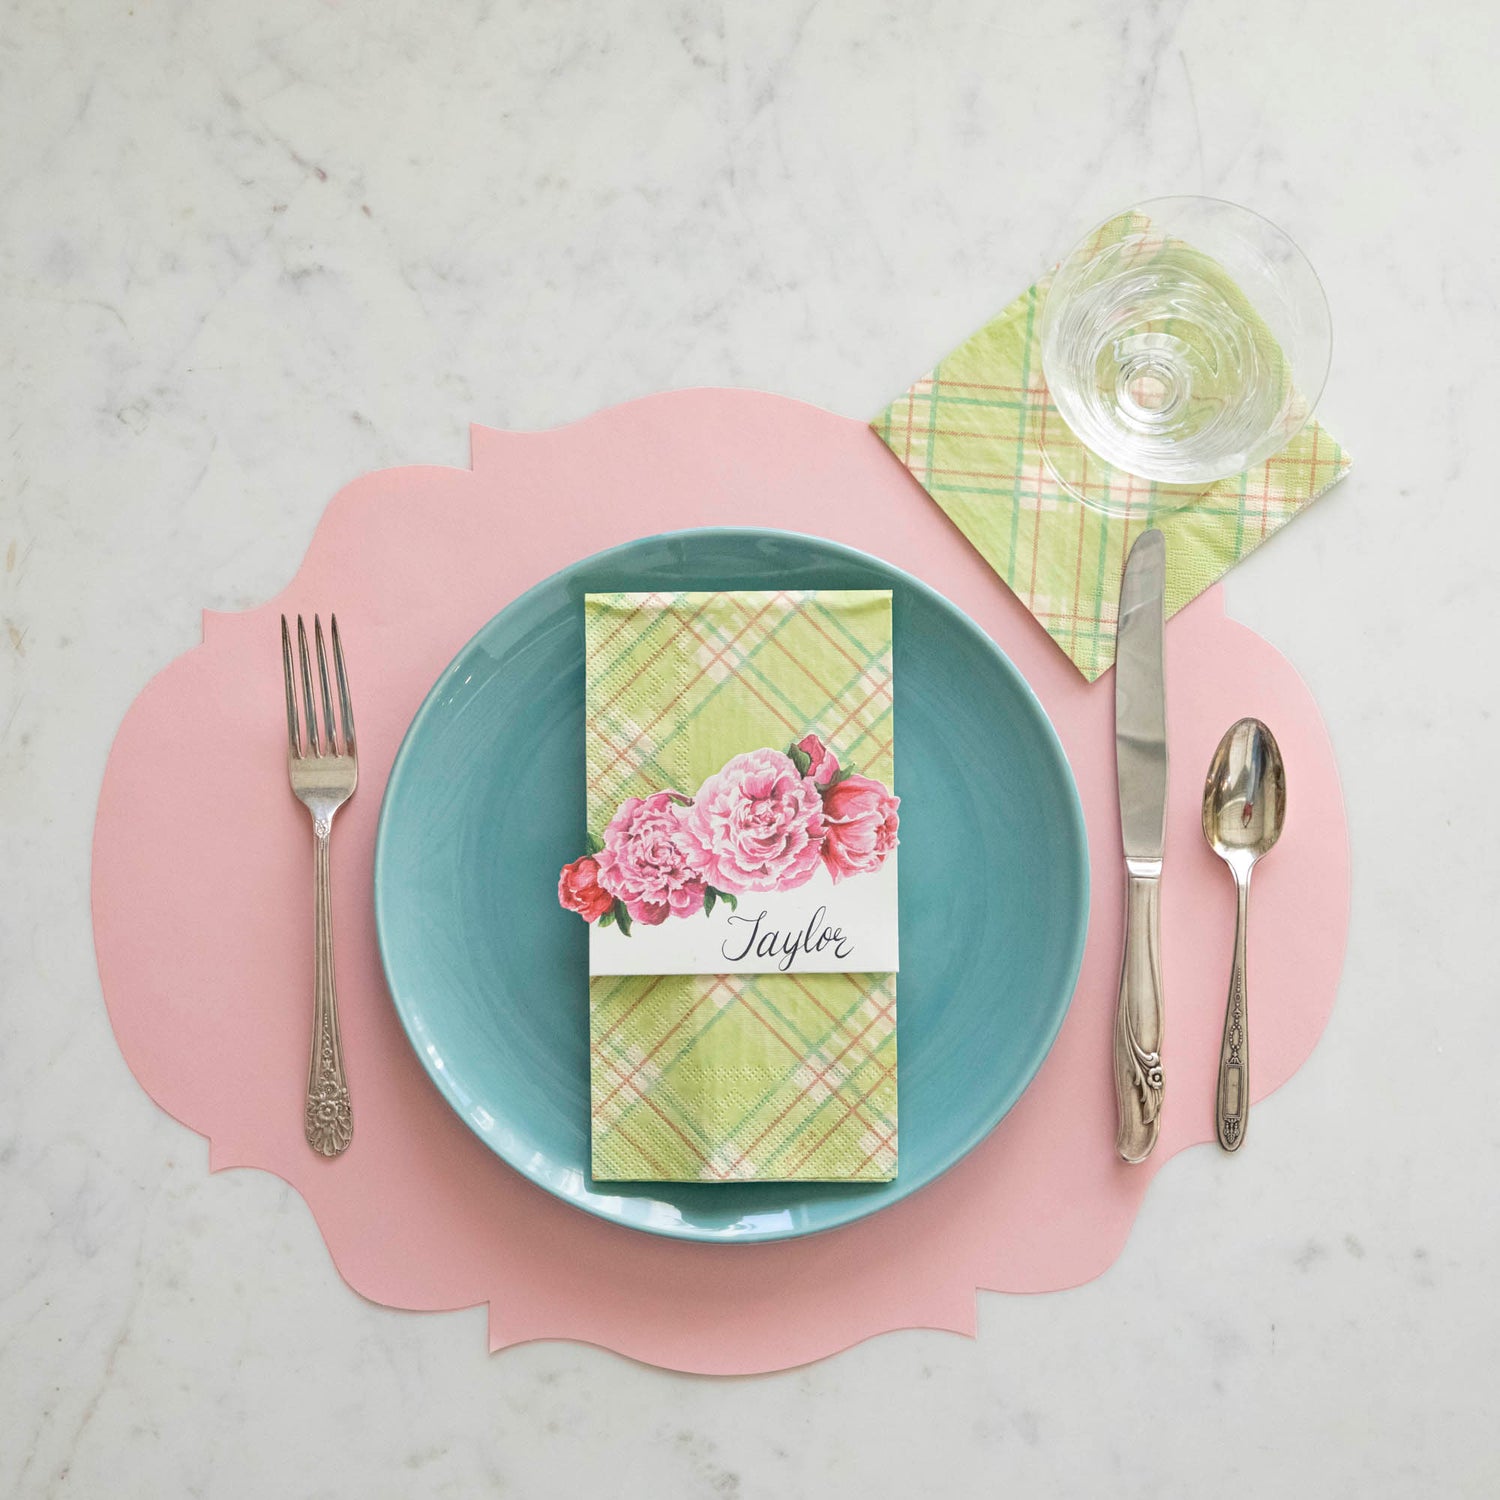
column 249, row 252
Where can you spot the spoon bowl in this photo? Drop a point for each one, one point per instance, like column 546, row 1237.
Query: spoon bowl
column 1244, row 795
column 1244, row 810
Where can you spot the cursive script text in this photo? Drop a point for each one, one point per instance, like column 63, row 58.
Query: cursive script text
column 784, row 947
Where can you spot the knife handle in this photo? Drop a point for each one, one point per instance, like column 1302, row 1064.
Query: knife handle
column 1139, row 1017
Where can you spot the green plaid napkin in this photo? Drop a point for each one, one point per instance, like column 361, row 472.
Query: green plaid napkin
column 735, row 1076
column 971, row 432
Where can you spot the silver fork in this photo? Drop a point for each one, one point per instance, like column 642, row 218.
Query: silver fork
column 323, row 776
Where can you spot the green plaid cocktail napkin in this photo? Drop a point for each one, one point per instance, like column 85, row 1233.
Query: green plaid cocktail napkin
column 723, row 1077
column 972, row 432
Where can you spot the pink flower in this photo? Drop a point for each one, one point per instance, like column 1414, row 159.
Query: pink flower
column 579, row 890
column 756, row 825
column 825, row 764
column 861, row 822
column 647, row 860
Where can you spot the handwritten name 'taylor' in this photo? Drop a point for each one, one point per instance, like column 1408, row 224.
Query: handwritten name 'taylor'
column 770, row 942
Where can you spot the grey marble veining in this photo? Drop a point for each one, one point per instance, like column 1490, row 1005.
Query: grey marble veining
column 250, row 252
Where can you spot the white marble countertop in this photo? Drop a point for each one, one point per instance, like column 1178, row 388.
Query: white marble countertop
column 250, row 252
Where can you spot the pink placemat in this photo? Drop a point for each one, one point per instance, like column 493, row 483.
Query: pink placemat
column 203, row 927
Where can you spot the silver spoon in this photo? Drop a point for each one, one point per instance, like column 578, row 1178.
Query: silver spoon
column 1244, row 807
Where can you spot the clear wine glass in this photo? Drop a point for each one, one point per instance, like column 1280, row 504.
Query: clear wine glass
column 1182, row 341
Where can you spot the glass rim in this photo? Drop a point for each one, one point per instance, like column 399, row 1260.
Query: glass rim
column 1159, row 206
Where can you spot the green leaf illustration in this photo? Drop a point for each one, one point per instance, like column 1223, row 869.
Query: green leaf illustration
column 608, row 919
column 800, row 758
column 592, row 844
column 622, row 917
column 732, row 902
column 710, row 895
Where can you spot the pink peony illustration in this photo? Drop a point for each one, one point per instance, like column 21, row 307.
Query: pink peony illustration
column 761, row 823
column 859, row 816
column 647, row 860
column 825, row 764
column 757, row 825
column 579, row 890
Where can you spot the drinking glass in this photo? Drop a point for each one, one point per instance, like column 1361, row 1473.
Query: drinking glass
column 1182, row 341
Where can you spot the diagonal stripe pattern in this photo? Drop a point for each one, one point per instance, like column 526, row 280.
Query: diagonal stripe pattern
column 973, row 433
column 736, row 1077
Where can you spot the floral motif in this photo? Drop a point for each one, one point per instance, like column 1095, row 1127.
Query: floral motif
column 860, row 822
column 647, row 862
column 822, row 763
column 757, row 825
column 579, row 890
column 763, row 822
column 328, row 1121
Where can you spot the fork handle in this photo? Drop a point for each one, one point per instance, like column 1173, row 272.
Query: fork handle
column 328, row 1123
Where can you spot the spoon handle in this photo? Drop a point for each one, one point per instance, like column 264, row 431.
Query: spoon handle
column 1232, row 1105
column 1138, row 1020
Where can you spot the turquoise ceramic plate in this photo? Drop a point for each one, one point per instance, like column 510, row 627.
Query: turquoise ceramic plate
column 489, row 974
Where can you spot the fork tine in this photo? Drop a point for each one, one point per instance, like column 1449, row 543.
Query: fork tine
column 307, row 697
column 293, row 743
column 346, row 708
column 331, row 738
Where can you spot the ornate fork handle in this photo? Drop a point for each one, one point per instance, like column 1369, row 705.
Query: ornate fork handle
column 329, row 1122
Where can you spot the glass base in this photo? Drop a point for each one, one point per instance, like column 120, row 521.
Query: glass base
column 1095, row 482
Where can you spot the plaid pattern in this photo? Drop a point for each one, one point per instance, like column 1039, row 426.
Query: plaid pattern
column 972, row 432
column 722, row 1078
column 730, row 1077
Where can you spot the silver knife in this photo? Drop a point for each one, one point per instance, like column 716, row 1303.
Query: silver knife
column 1141, row 767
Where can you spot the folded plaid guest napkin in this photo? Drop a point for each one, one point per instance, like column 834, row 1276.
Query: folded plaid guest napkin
column 740, row 765
column 972, row 431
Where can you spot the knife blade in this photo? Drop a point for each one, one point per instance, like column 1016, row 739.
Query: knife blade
column 1141, row 773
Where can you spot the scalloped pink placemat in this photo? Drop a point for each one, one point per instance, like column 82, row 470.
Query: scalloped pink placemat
column 203, row 924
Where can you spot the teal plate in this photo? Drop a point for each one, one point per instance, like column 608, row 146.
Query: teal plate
column 490, row 976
